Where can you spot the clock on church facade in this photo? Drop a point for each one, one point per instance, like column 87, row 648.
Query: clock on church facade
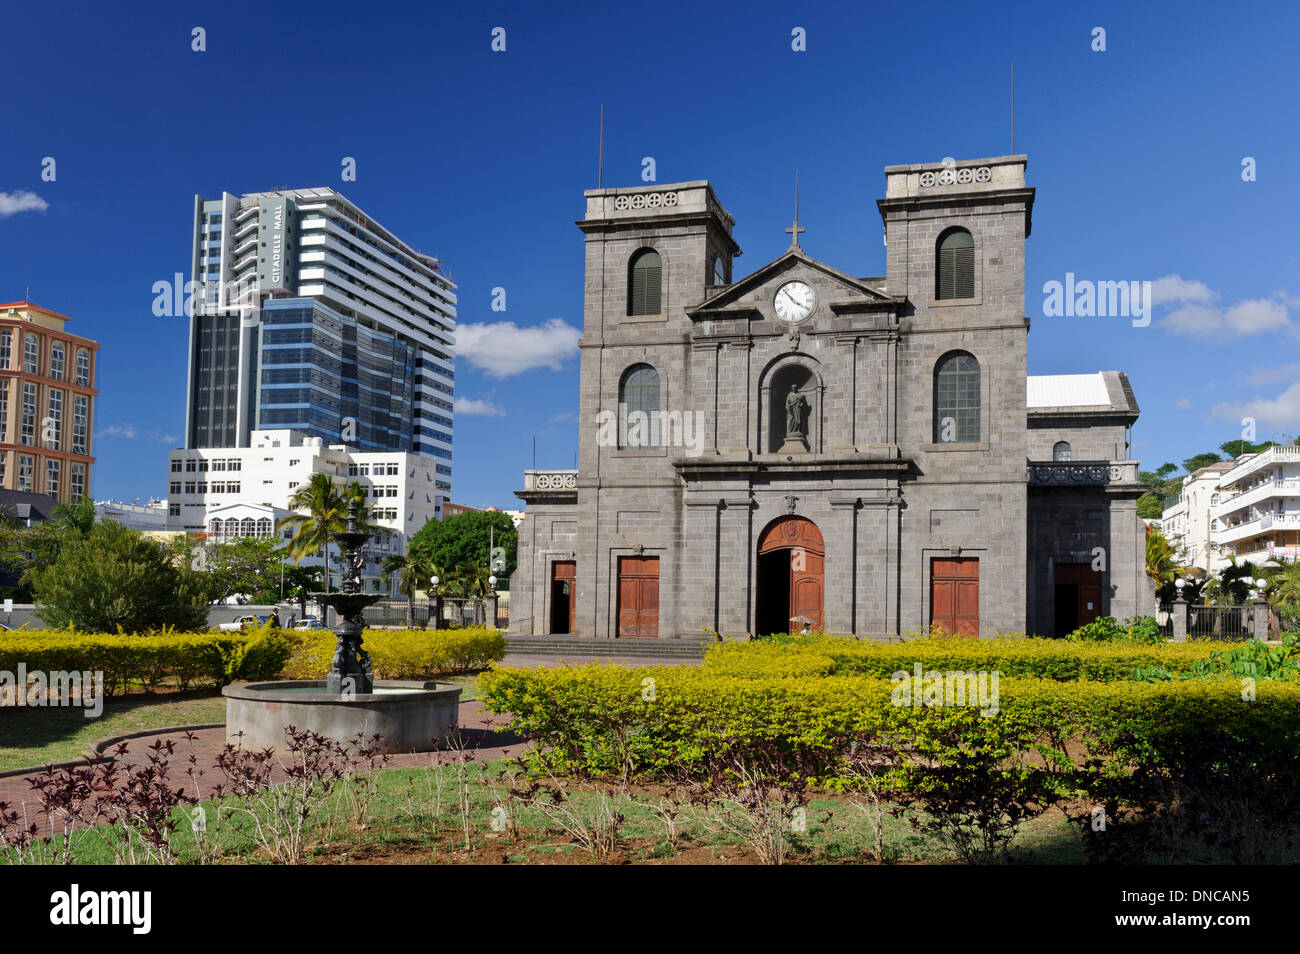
column 805, row 448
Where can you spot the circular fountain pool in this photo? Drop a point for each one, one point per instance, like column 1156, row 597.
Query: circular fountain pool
column 411, row 716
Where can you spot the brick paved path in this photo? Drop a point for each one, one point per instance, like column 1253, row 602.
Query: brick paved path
column 481, row 731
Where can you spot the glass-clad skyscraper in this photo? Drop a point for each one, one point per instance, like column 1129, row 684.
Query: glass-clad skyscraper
column 310, row 316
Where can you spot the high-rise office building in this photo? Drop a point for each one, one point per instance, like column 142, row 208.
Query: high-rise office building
column 310, row 316
column 47, row 403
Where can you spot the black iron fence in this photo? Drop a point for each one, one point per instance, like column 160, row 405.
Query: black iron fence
column 1220, row 622
column 1165, row 617
column 1207, row 621
column 453, row 611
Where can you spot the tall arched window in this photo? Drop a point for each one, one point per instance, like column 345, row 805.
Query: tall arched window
column 1061, row 451
column 638, row 407
column 955, row 265
column 56, row 361
column 644, row 283
column 957, row 399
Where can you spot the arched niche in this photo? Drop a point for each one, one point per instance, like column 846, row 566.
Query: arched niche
column 774, row 391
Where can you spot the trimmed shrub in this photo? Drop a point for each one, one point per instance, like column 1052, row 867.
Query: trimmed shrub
column 1035, row 658
column 602, row 720
column 145, row 662
column 402, row 653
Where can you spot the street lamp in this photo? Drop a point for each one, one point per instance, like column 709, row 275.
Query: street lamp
column 437, row 608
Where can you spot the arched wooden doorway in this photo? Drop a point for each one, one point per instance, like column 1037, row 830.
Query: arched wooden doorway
column 791, row 576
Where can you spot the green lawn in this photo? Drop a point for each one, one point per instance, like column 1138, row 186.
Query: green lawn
column 39, row 736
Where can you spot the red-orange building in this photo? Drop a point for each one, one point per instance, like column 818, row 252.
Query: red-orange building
column 47, row 403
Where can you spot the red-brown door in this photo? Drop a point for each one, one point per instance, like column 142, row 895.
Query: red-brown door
column 1088, row 598
column 955, row 595
column 564, row 584
column 638, row 597
column 798, row 540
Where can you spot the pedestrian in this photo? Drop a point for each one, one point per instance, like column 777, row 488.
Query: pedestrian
column 292, row 619
column 275, row 618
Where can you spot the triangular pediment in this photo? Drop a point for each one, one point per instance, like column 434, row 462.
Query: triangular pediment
column 739, row 295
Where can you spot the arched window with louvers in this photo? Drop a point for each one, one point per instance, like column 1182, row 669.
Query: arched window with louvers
column 955, row 265
column 645, row 283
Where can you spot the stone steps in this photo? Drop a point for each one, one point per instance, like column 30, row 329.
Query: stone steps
column 580, row 646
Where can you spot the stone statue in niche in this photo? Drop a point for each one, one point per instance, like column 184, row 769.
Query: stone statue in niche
column 796, row 414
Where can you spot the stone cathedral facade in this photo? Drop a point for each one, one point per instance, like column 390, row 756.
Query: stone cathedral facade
column 801, row 448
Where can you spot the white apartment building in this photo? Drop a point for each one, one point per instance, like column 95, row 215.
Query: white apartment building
column 1187, row 517
column 141, row 516
column 1256, row 510
column 243, row 491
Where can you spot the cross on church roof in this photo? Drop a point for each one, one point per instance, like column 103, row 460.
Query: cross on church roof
column 794, row 229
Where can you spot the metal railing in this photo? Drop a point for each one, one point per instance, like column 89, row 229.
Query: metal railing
column 1082, row 473
column 1229, row 623
column 455, row 611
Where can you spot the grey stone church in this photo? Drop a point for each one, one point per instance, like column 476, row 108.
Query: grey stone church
column 802, row 448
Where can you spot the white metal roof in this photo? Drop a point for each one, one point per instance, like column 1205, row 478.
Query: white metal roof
column 1067, row 390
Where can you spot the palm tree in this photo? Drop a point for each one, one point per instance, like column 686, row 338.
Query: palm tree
column 325, row 514
column 77, row 517
column 412, row 570
column 1234, row 582
column 1161, row 563
column 1284, row 591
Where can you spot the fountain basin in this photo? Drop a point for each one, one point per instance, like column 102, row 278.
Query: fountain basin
column 412, row 716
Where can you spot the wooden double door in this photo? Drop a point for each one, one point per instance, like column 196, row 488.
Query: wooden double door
column 791, row 585
column 638, row 597
column 1078, row 593
column 955, row 595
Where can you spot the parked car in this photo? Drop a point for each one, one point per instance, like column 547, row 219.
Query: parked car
column 242, row 623
column 309, row 622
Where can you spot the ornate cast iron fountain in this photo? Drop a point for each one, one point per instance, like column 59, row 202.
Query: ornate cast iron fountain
column 409, row 715
column 350, row 669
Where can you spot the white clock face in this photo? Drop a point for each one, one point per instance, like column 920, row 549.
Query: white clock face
column 794, row 301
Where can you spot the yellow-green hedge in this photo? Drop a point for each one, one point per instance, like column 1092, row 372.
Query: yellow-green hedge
column 1036, row 658
column 145, row 661
column 611, row 720
column 403, row 653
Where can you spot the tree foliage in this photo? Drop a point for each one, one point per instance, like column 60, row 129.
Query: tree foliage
column 247, row 566
column 114, row 578
column 464, row 542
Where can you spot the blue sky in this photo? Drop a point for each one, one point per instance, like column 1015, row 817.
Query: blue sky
column 481, row 157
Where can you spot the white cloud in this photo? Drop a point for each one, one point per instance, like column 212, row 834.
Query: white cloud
column 1272, row 373
column 1195, row 320
column 11, row 203
column 1197, row 316
column 502, row 348
column 1183, row 403
column 117, row 430
column 1256, row 316
column 1175, row 288
column 1250, row 317
column 129, row 432
column 463, row 405
column 1282, row 411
